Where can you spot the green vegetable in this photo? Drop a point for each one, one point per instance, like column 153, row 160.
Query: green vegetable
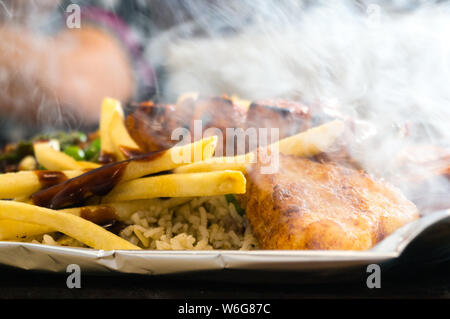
column 232, row 199
column 13, row 154
column 65, row 139
column 92, row 151
column 75, row 152
column 70, row 143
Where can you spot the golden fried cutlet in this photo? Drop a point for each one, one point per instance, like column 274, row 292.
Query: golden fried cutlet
column 310, row 205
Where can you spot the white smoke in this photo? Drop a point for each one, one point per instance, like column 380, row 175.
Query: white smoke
column 388, row 68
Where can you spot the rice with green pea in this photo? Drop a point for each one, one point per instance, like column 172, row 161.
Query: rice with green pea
column 202, row 223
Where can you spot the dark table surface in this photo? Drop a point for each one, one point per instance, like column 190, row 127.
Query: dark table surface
column 434, row 283
column 422, row 271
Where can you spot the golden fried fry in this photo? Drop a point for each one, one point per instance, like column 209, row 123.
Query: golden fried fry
column 28, row 163
column 82, row 230
column 23, row 184
column 305, row 144
column 179, row 185
column 235, row 163
column 115, row 139
column 124, row 210
column 120, row 137
column 109, row 108
column 54, row 160
column 11, row 229
column 312, row 141
column 172, row 158
column 87, row 165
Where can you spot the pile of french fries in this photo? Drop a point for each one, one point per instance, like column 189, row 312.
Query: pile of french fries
column 201, row 175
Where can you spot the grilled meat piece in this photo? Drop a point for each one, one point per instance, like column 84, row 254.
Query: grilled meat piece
column 289, row 117
column 151, row 125
column 220, row 113
column 310, row 205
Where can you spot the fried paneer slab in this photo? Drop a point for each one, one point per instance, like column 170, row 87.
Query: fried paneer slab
column 311, row 205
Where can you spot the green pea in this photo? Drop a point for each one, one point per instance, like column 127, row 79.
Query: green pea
column 82, row 137
column 75, row 152
column 93, row 149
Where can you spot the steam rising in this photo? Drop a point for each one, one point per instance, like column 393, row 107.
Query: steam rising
column 388, row 70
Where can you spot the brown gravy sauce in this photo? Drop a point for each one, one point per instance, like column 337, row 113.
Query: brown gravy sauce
column 99, row 181
column 102, row 215
column 131, row 152
column 148, row 156
column 106, row 158
column 50, row 178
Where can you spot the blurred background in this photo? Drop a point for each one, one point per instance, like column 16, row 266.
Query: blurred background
column 386, row 61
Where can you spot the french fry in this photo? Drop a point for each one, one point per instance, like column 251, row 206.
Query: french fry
column 87, row 165
column 55, row 160
column 305, row 144
column 124, row 210
column 122, row 143
column 28, row 163
column 24, row 183
column 172, row 158
column 179, row 185
column 76, row 227
column 11, row 229
column 234, row 163
column 109, row 108
column 312, row 141
column 121, row 138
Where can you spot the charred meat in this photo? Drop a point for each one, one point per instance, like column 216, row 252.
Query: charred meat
column 289, row 117
column 151, row 125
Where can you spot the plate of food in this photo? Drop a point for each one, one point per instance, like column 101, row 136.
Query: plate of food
column 200, row 185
